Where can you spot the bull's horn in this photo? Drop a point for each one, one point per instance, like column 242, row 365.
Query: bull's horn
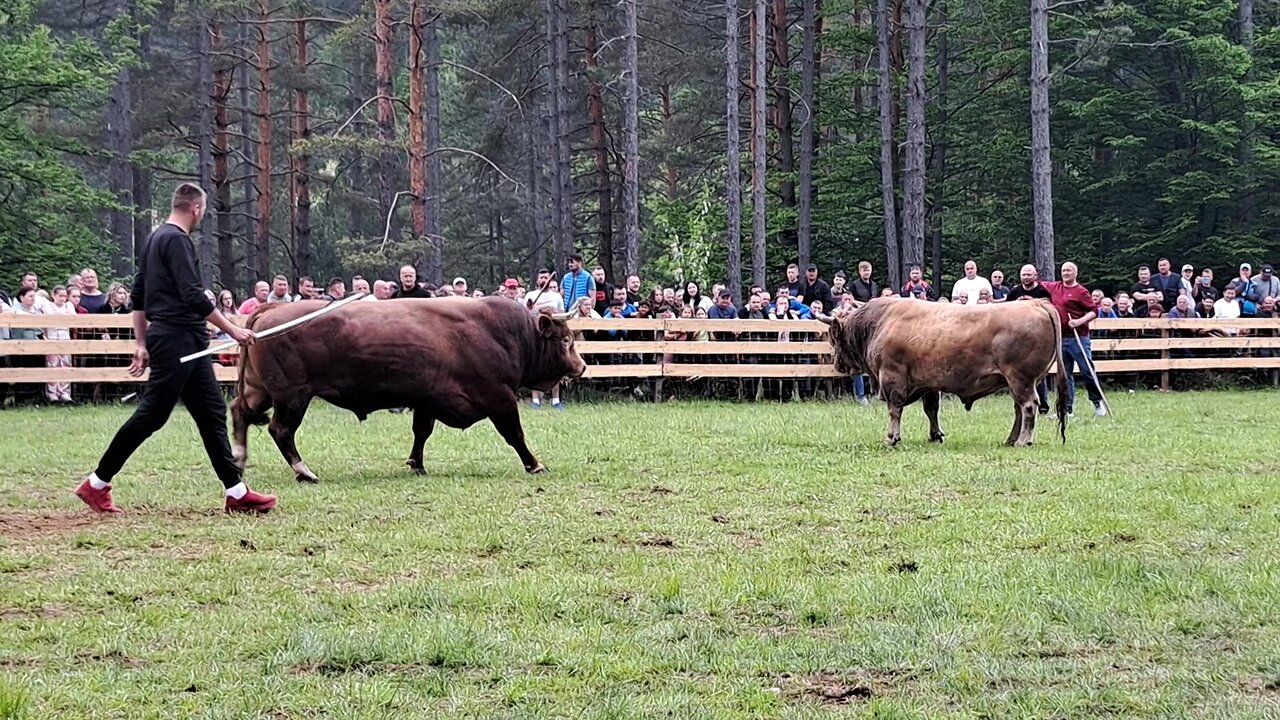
column 561, row 316
column 825, row 319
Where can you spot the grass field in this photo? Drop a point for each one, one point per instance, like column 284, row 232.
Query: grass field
column 680, row 561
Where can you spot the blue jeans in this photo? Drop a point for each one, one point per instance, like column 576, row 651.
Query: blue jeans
column 859, row 386
column 1071, row 356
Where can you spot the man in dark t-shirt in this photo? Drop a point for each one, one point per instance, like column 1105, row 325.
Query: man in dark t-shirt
column 1144, row 292
column 170, row 309
column 1031, row 289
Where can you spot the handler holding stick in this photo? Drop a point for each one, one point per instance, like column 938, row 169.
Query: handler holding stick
column 169, row 314
column 1075, row 307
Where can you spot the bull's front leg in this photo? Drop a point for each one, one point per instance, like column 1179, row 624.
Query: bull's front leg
column 423, row 423
column 508, row 424
column 931, row 402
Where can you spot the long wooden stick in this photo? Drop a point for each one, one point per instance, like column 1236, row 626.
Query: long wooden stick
column 279, row 328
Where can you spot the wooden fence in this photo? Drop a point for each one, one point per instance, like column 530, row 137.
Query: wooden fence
column 1119, row 346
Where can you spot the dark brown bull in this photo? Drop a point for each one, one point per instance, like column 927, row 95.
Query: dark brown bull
column 455, row 360
column 918, row 350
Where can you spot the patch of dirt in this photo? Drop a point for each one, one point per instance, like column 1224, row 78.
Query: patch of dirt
column 330, row 668
column 748, row 540
column 112, row 656
column 831, row 687
column 661, row 490
column 718, row 518
column 47, row 612
column 1123, row 538
column 661, row 541
column 19, row 525
column 1262, row 686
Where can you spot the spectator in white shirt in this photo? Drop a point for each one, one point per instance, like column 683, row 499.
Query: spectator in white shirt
column 970, row 285
column 1228, row 308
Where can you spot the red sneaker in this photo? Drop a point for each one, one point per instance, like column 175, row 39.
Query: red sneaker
column 98, row 501
column 252, row 502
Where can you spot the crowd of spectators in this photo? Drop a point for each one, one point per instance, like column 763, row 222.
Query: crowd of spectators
column 802, row 294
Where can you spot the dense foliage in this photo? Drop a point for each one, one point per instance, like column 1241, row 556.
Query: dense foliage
column 1164, row 128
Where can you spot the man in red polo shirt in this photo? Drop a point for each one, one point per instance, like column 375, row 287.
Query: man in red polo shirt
column 1076, row 308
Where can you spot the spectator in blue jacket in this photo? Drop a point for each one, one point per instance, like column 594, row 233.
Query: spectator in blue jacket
column 577, row 283
column 796, row 306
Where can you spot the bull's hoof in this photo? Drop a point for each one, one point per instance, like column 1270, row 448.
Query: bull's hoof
column 310, row 479
column 937, row 437
column 892, row 440
column 536, row 469
column 416, row 466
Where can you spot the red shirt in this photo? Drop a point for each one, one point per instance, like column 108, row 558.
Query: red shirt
column 1072, row 302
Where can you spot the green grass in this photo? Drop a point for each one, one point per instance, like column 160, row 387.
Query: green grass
column 681, row 561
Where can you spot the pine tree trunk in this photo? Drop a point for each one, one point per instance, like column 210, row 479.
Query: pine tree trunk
column 204, row 134
column 435, row 223
column 914, row 181
column 536, row 202
column 221, row 151
column 362, row 88
column 119, row 116
column 759, row 25
column 1249, row 189
column 600, row 148
column 1042, row 248
column 887, row 116
column 563, row 159
column 555, row 134
column 301, row 156
column 780, row 59
column 669, row 172
column 417, row 134
column 631, row 140
column 383, row 39
column 809, row 106
column 248, row 150
column 733, row 149
column 260, row 264
column 940, row 143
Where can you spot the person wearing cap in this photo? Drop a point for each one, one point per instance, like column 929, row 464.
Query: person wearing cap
column 1268, row 285
column 1245, row 287
column 1188, row 280
column 511, row 289
column 815, row 288
column 971, row 285
column 460, row 286
column 999, row 291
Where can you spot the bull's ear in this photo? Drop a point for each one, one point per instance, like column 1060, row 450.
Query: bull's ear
column 546, row 325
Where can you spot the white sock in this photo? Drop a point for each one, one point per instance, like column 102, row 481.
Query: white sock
column 237, row 491
column 97, row 484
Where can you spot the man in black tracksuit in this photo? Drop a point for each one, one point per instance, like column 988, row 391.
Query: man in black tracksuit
column 169, row 313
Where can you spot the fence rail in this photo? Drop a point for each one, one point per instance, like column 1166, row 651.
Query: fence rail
column 1163, row 346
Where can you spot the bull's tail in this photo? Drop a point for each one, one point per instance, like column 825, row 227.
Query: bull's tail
column 1060, row 406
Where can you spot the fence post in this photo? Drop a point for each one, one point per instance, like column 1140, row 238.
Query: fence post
column 1164, row 355
column 662, row 365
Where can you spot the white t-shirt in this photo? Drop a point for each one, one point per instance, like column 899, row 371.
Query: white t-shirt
column 1224, row 310
column 971, row 288
column 548, row 299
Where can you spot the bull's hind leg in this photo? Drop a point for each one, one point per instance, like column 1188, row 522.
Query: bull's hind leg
column 508, row 425
column 895, row 402
column 249, row 407
column 931, row 402
column 284, row 423
column 1024, row 413
column 423, row 424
